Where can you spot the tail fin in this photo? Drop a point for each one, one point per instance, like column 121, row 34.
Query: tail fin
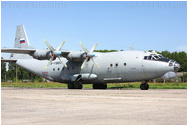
column 21, row 40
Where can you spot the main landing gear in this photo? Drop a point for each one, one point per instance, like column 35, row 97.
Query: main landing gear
column 75, row 85
column 100, row 86
column 78, row 85
column 144, row 86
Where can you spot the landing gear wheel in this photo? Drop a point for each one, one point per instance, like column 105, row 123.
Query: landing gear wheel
column 95, row 86
column 99, row 86
column 144, row 86
column 71, row 86
column 104, row 86
column 78, row 85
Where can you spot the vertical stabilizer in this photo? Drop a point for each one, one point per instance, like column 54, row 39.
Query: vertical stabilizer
column 21, row 40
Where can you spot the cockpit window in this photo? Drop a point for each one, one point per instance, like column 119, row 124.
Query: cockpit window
column 153, row 57
column 171, row 62
column 147, row 57
column 161, row 56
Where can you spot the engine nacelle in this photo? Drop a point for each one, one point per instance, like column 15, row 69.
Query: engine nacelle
column 42, row 54
column 169, row 75
column 76, row 56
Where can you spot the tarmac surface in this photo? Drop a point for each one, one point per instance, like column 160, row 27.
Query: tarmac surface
column 24, row 106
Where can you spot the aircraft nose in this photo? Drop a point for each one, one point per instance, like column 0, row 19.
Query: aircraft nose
column 176, row 66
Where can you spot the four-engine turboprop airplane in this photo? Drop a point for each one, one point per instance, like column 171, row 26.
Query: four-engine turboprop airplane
column 88, row 67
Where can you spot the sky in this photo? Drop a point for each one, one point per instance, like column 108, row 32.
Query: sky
column 118, row 25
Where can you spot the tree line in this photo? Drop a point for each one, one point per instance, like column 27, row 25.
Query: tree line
column 22, row 74
column 10, row 74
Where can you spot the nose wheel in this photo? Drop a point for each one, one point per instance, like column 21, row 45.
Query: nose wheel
column 144, row 86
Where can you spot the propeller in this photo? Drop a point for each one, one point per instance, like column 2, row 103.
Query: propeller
column 55, row 53
column 89, row 55
column 132, row 48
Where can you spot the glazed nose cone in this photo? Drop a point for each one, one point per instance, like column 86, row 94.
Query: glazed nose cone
column 176, row 66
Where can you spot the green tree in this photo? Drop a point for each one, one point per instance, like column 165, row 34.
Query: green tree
column 11, row 74
column 184, row 77
column 26, row 75
column 3, row 71
column 180, row 57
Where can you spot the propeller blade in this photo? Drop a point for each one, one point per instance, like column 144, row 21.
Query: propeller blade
column 50, row 61
column 84, row 63
column 131, row 48
column 60, row 46
column 95, row 62
column 62, row 61
column 93, row 48
column 84, row 48
column 49, row 46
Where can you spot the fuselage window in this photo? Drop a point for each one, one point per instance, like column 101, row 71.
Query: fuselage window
column 125, row 64
column 53, row 69
column 58, row 69
column 116, row 64
column 111, row 65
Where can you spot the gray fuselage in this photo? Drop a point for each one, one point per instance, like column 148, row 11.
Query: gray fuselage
column 124, row 66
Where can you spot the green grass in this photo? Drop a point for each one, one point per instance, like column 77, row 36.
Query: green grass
column 110, row 85
column 151, row 85
column 34, row 85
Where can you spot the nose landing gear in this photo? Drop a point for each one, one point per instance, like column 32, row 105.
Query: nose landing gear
column 144, row 86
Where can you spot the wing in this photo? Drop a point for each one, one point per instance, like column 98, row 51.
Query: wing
column 18, row 50
column 28, row 51
column 65, row 53
column 8, row 60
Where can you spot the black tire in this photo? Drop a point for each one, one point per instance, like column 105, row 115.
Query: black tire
column 95, row 86
column 71, row 86
column 104, row 86
column 99, row 86
column 144, row 86
column 78, row 85
column 147, row 86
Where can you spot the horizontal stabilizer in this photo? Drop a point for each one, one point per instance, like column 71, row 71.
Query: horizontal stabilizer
column 18, row 50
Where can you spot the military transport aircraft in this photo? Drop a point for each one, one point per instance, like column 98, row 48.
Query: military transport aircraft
column 88, row 67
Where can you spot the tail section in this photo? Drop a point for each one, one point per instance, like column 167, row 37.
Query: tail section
column 21, row 40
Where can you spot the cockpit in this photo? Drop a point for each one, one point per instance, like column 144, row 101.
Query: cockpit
column 159, row 57
column 154, row 57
